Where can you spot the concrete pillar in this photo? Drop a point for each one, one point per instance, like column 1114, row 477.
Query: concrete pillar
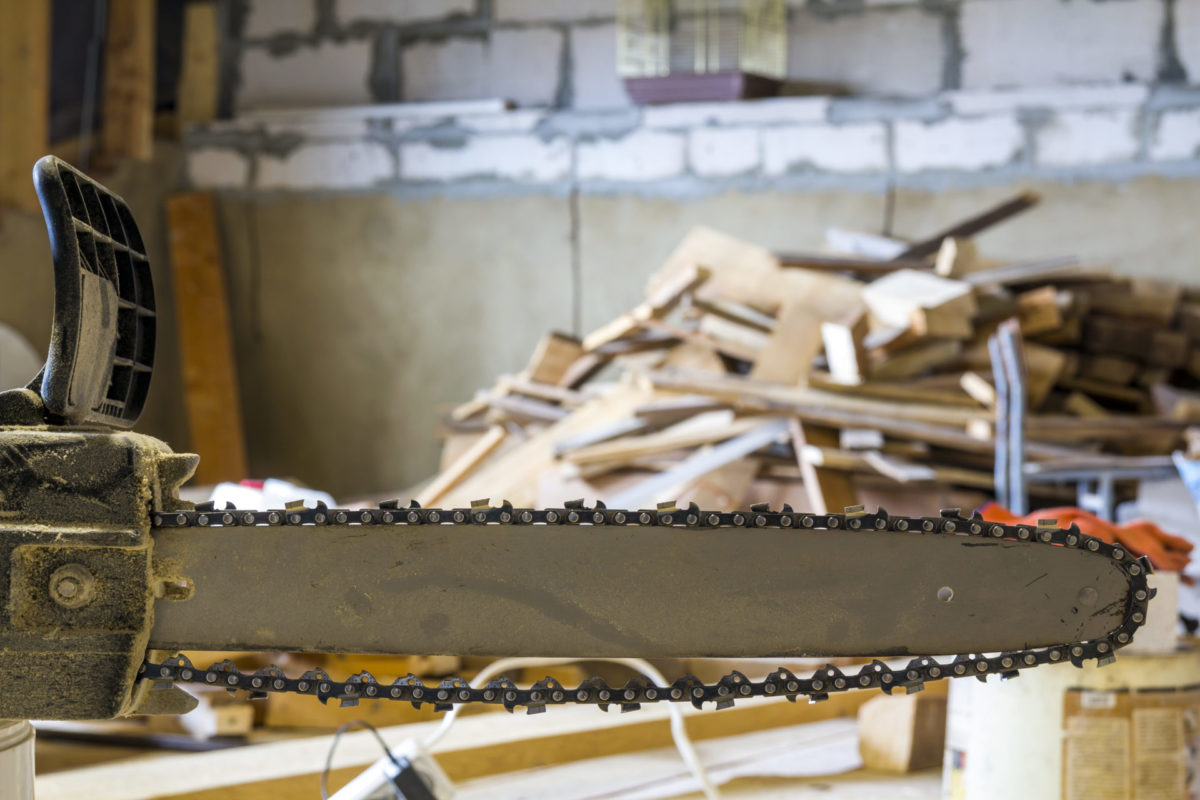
column 16, row 760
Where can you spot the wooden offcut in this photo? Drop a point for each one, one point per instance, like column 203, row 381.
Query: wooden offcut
column 24, row 97
column 208, row 359
column 129, row 79
column 902, row 733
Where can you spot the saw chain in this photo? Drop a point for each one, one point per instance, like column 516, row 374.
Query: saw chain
column 829, row 679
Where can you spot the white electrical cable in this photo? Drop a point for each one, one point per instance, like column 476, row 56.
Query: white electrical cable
column 678, row 731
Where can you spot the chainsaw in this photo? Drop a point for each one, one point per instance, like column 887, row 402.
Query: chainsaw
column 106, row 575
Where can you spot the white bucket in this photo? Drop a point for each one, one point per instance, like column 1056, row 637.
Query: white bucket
column 16, row 760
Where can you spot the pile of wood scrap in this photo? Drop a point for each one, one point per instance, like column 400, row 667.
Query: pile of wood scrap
column 826, row 381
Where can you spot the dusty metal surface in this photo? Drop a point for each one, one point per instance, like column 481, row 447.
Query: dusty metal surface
column 627, row 591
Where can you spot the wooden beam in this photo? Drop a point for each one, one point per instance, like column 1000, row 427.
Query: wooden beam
column 24, row 97
column 129, row 79
column 972, row 225
column 211, row 395
column 198, row 68
column 788, row 355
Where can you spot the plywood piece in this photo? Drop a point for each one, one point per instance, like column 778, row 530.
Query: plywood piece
column 129, row 79
column 211, row 395
column 24, row 97
column 709, row 428
column 789, row 353
column 553, row 357
column 1043, row 368
column 198, row 68
column 1038, row 311
column 746, row 273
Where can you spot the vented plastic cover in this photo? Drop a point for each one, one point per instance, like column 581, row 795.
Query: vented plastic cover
column 102, row 341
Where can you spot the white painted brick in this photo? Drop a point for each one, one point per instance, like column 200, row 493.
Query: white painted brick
column 752, row 112
column 639, row 156
column 454, row 69
column 880, row 50
column 594, row 80
column 318, row 127
column 958, row 144
column 717, row 152
column 217, row 168
column 400, row 11
column 554, row 10
column 835, row 148
column 518, row 65
column 1058, row 98
column 515, row 121
column 330, row 165
column 1075, row 138
column 519, row 158
column 266, row 18
column 1187, row 37
column 1178, row 135
column 1047, row 42
column 524, row 64
column 330, row 74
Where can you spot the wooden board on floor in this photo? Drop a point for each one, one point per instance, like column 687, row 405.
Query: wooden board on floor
column 211, row 395
column 24, row 97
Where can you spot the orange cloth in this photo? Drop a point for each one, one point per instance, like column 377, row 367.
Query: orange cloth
column 1140, row 537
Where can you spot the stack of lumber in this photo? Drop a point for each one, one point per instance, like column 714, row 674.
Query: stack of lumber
column 826, row 381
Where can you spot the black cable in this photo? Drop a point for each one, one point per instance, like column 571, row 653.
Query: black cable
column 337, row 735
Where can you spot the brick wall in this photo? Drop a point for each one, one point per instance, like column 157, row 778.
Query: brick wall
column 907, row 91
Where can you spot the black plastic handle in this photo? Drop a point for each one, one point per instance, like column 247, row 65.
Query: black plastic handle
column 102, row 341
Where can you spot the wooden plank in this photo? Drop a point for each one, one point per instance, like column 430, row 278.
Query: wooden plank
column 1057, row 269
column 979, row 387
column 904, row 391
column 198, row 68
column 751, row 338
column 668, row 484
column 972, row 225
column 1038, row 311
column 893, row 299
column 553, row 357
column 731, row 349
column 514, row 474
column 956, row 257
column 789, row 353
column 704, row 429
column 129, row 79
column 24, row 97
column 209, row 363
column 916, row 360
column 1108, row 369
column 1081, row 405
column 462, row 466
column 725, row 488
column 844, row 338
column 859, row 266
column 829, row 491
column 902, row 733
column 661, row 297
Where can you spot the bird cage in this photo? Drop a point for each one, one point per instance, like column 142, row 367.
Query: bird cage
column 683, row 50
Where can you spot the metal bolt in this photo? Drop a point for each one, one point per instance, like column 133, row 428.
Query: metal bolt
column 72, row 586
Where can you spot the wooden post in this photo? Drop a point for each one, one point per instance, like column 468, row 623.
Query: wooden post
column 129, row 79
column 24, row 97
column 198, row 72
column 206, row 343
